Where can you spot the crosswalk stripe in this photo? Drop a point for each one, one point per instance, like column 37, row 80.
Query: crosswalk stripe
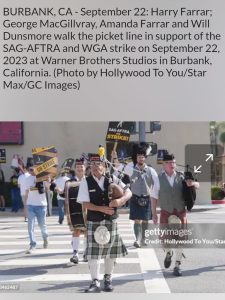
column 19, row 227
column 59, row 261
column 66, row 277
column 49, row 251
column 49, row 222
column 153, row 277
column 213, row 212
column 14, row 235
column 14, row 243
column 51, row 236
column 50, row 229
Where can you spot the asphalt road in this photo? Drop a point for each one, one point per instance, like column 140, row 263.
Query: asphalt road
column 142, row 271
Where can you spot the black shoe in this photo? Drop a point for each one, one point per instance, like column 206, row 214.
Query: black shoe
column 108, row 283
column 94, row 287
column 177, row 271
column 60, row 222
column 137, row 244
column 75, row 258
column 85, row 256
column 168, row 259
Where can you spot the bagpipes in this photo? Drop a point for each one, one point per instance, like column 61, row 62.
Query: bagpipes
column 189, row 192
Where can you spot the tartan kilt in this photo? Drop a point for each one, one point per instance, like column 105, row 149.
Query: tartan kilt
column 164, row 224
column 114, row 248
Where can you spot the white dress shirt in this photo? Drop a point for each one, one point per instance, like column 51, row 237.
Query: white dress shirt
column 83, row 194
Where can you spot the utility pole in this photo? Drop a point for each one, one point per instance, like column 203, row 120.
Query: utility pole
column 141, row 126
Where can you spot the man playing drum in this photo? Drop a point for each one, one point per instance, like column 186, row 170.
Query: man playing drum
column 74, row 210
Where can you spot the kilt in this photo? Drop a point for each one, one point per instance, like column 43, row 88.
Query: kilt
column 2, row 189
column 114, row 248
column 164, row 215
column 138, row 212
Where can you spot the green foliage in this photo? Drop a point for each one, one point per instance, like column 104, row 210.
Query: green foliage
column 222, row 137
column 216, row 193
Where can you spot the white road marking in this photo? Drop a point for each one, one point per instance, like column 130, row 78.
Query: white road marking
column 65, row 277
column 153, row 277
column 57, row 261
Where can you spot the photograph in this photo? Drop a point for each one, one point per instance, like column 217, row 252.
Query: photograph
column 124, row 207
column 112, row 149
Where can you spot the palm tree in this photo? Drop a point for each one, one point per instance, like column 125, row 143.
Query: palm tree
column 222, row 139
column 215, row 128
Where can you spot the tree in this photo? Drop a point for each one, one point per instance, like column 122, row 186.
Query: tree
column 222, row 139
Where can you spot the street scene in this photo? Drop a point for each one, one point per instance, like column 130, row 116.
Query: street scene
column 79, row 201
column 142, row 271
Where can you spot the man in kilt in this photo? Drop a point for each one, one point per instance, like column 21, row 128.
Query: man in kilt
column 172, row 205
column 103, row 239
column 74, row 210
column 143, row 187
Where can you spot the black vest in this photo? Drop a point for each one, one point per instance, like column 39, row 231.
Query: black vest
column 99, row 197
column 74, row 206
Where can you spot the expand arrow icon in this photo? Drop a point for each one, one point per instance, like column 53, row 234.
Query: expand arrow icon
column 196, row 169
column 210, row 156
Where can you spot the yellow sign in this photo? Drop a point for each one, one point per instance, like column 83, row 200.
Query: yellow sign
column 41, row 149
column 46, row 165
column 117, row 137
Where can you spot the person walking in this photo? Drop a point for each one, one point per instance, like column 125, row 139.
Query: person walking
column 36, row 208
column 58, row 186
column 103, row 239
column 172, row 204
column 22, row 185
column 143, row 185
column 2, row 190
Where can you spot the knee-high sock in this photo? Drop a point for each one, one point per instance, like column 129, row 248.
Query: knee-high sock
column 137, row 231
column 75, row 242
column 109, row 265
column 94, row 267
column 178, row 255
column 85, row 244
column 144, row 227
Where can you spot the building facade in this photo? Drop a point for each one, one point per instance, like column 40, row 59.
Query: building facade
column 71, row 139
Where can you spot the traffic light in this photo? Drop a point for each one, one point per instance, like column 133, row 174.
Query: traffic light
column 155, row 126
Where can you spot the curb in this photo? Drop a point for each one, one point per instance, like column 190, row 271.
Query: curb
column 218, row 201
